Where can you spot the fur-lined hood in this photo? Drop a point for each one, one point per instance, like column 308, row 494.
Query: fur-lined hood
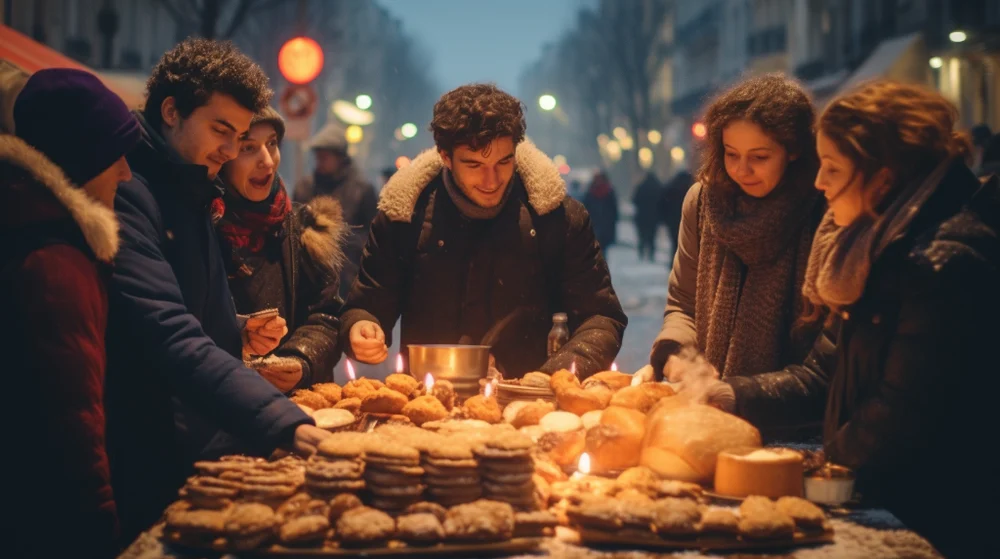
column 97, row 222
column 541, row 178
column 324, row 231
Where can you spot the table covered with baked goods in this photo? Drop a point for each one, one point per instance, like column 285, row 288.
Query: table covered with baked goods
column 543, row 466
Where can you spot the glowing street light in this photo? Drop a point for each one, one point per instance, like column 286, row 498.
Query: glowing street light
column 559, row 160
column 547, row 102
column 677, row 154
column 408, row 130
column 300, row 60
column 936, row 62
column 620, row 133
column 654, row 137
column 957, row 36
column 699, row 130
column 602, row 140
column 364, row 102
column 627, row 143
column 645, row 158
column 614, row 150
column 354, row 134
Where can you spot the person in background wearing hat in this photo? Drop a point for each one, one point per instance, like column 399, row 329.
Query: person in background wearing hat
column 175, row 370
column 335, row 175
column 282, row 256
column 59, row 235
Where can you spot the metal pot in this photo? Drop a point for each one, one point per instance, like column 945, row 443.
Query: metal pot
column 462, row 365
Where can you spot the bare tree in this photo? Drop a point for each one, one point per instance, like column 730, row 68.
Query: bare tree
column 216, row 19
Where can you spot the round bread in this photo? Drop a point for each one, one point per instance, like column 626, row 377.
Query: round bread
column 560, row 422
column 536, row 380
column 404, row 384
column 612, row 449
column 562, row 380
column 591, row 418
column 424, row 409
column 384, row 400
column 510, row 411
column 563, row 448
column 614, row 379
column 482, row 408
column 532, row 413
column 576, row 400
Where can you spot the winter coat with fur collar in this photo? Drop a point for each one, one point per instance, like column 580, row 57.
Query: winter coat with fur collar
column 451, row 279
column 56, row 244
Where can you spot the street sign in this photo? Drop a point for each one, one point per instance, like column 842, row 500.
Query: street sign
column 298, row 101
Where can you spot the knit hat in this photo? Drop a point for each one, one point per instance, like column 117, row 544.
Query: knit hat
column 270, row 116
column 331, row 137
column 76, row 121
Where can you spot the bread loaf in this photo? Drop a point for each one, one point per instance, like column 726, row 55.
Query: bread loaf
column 616, row 443
column 684, row 443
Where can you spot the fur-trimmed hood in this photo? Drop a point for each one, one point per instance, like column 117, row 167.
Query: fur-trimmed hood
column 324, row 231
column 541, row 178
column 97, row 222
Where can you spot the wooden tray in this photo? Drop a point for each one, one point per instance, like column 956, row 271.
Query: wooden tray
column 516, row 545
column 636, row 539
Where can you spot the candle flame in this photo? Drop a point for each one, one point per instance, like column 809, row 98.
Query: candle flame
column 428, row 382
column 583, row 465
column 399, row 362
column 572, row 367
column 488, row 390
column 350, row 370
column 614, row 366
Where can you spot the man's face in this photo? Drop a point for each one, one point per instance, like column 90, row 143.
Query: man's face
column 483, row 175
column 210, row 135
column 328, row 162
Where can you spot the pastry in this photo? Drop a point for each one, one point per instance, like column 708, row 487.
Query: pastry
column 482, row 520
column 806, row 515
column 419, row 529
column 352, row 405
column 560, row 422
column 333, row 418
column 329, row 390
column 563, row 380
column 384, row 401
column 760, row 519
column 307, row 397
column 532, row 413
column 482, row 408
column 536, row 380
column 402, row 383
column 424, row 409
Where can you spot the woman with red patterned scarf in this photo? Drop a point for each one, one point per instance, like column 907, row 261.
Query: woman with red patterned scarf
column 282, row 256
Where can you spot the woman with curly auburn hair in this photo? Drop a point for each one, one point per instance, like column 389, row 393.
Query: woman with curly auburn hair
column 746, row 228
column 908, row 256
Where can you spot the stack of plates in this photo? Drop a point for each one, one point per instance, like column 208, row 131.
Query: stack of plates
column 508, row 392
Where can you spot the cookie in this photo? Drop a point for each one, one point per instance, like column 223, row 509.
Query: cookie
column 352, row 405
column 393, row 505
column 328, row 390
column 270, row 479
column 330, row 470
column 306, row 397
column 207, row 503
column 218, row 468
column 397, row 491
column 506, row 467
column 446, row 463
column 481, row 520
column 205, row 490
column 420, row 528
column 806, row 515
column 342, row 445
column 365, row 526
column 390, row 479
column 384, row 449
column 341, row 504
column 333, row 418
column 336, row 486
column 402, row 383
column 197, row 521
column 209, row 481
column 396, row 468
column 534, row 524
column 250, row 518
column 427, row 507
column 719, row 521
column 384, row 400
column 676, row 517
column 445, row 481
column 439, row 472
column 304, row 530
column 269, row 492
column 596, row 513
column 508, row 479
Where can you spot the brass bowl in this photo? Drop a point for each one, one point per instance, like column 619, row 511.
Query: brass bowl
column 462, row 365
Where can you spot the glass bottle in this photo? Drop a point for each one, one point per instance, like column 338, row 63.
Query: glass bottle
column 559, row 334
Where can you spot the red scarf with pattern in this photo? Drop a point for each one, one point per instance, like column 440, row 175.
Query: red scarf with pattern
column 247, row 225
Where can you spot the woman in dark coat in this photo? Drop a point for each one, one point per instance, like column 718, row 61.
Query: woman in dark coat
column 282, row 256
column 58, row 237
column 909, row 258
column 602, row 205
column 735, row 286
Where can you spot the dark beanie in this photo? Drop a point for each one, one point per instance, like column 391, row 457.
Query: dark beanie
column 271, row 116
column 76, row 121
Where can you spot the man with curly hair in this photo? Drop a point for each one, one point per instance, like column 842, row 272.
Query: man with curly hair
column 175, row 374
column 476, row 242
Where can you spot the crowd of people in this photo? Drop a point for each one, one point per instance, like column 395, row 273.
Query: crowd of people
column 838, row 272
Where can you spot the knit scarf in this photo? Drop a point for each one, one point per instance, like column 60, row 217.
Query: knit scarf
column 466, row 206
column 752, row 260
column 247, row 225
column 842, row 257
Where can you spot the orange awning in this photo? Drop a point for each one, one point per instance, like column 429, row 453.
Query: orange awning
column 32, row 56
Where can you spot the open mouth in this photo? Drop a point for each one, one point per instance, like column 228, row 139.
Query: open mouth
column 261, row 182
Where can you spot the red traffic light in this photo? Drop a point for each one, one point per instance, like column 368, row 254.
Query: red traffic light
column 300, row 60
column 699, row 130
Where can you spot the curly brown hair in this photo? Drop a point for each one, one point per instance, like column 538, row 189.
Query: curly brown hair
column 474, row 115
column 783, row 110
column 195, row 69
column 907, row 129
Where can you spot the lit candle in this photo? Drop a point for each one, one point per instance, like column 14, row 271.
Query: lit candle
column 350, row 370
column 399, row 362
column 614, row 366
column 429, row 382
column 488, row 389
column 572, row 367
column 582, row 466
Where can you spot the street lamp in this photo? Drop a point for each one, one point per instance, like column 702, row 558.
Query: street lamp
column 354, row 134
column 547, row 102
column 627, row 143
column 677, row 154
column 958, row 36
column 620, row 133
column 645, row 158
column 936, row 62
column 364, row 102
column 408, row 130
column 654, row 137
